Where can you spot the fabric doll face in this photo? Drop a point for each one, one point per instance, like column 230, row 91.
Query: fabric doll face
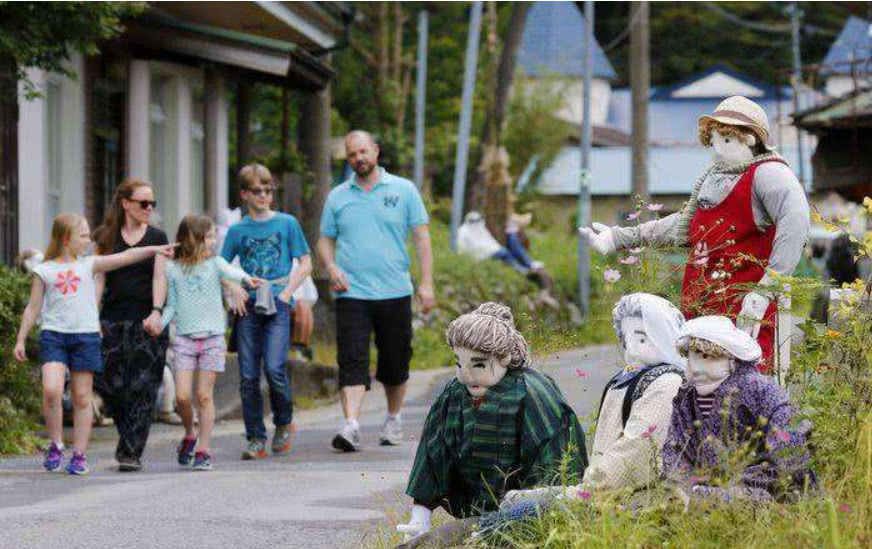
column 639, row 349
column 706, row 371
column 731, row 150
column 479, row 371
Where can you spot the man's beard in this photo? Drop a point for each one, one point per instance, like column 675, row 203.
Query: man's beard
column 363, row 169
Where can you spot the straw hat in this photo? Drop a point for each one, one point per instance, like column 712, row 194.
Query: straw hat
column 741, row 111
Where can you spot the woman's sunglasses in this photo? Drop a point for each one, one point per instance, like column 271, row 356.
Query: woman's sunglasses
column 145, row 204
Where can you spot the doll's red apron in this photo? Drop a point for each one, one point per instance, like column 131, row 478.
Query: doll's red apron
column 728, row 254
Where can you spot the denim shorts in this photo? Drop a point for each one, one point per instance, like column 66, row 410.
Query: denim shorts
column 79, row 352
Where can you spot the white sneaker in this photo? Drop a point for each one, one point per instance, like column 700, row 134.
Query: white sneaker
column 392, row 433
column 347, row 439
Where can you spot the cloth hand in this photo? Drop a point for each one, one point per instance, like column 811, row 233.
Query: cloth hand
column 152, row 324
column 537, row 495
column 338, row 280
column 753, row 310
column 418, row 524
column 427, row 297
column 599, row 237
column 238, row 297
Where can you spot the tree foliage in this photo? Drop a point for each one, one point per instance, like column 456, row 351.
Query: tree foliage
column 688, row 37
column 43, row 35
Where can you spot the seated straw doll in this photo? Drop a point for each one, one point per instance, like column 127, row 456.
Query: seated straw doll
column 498, row 426
column 730, row 435
column 637, row 402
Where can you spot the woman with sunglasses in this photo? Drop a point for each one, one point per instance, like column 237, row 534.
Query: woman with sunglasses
column 134, row 344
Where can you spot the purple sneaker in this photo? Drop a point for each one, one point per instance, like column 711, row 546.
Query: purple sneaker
column 186, row 450
column 78, row 464
column 53, row 457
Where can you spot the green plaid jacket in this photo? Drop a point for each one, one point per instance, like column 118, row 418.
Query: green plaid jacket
column 469, row 458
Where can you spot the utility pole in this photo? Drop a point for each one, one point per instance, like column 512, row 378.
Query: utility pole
column 796, row 79
column 420, row 98
column 640, row 82
column 465, row 120
column 584, row 179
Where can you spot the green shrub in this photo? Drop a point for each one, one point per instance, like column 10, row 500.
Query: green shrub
column 461, row 284
column 19, row 381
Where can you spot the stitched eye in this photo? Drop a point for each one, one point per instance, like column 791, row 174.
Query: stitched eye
column 478, row 365
column 726, row 140
column 705, row 356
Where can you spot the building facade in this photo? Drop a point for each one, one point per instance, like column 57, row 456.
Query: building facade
column 155, row 105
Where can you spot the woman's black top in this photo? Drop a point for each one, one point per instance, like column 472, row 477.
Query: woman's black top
column 127, row 294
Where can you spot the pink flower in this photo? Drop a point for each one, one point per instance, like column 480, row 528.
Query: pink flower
column 583, row 495
column 845, row 508
column 633, row 216
column 580, row 373
column 783, row 436
column 649, row 431
column 636, row 250
column 68, row 282
column 701, row 255
column 654, row 207
column 611, row 275
column 630, row 260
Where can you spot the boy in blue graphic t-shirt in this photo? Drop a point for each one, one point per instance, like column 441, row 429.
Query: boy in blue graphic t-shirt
column 266, row 243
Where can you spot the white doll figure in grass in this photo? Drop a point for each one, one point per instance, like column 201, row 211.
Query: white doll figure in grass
column 498, row 426
column 637, row 401
column 747, row 215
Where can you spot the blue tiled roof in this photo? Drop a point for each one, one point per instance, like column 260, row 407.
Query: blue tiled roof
column 853, row 43
column 553, row 43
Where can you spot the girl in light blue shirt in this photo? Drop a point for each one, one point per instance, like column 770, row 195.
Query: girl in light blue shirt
column 194, row 303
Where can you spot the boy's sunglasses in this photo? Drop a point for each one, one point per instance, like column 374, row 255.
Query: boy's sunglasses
column 146, row 204
column 262, row 191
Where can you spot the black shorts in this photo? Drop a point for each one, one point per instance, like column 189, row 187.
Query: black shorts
column 391, row 320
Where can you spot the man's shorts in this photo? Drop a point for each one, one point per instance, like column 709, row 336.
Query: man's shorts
column 391, row 320
column 78, row 352
column 205, row 353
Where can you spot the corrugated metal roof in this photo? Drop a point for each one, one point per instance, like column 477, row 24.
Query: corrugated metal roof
column 853, row 43
column 857, row 104
column 553, row 43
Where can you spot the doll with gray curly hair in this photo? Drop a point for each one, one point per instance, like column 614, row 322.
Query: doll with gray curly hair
column 499, row 425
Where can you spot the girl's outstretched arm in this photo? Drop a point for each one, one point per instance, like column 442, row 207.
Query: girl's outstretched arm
column 103, row 263
column 28, row 318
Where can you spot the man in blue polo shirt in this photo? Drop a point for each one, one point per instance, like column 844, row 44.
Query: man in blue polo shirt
column 364, row 227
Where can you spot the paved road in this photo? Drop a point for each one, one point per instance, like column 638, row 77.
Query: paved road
column 313, row 498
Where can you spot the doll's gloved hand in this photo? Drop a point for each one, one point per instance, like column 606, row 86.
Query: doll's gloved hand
column 600, row 237
column 753, row 310
column 538, row 495
column 418, row 524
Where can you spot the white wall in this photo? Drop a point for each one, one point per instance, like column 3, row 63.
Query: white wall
column 35, row 154
column 166, row 90
column 31, row 168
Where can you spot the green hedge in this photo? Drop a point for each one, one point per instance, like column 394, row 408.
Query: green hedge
column 19, row 381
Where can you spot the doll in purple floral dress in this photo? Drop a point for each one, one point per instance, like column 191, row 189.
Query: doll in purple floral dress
column 731, row 435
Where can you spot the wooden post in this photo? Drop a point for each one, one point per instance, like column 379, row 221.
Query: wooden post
column 640, row 83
